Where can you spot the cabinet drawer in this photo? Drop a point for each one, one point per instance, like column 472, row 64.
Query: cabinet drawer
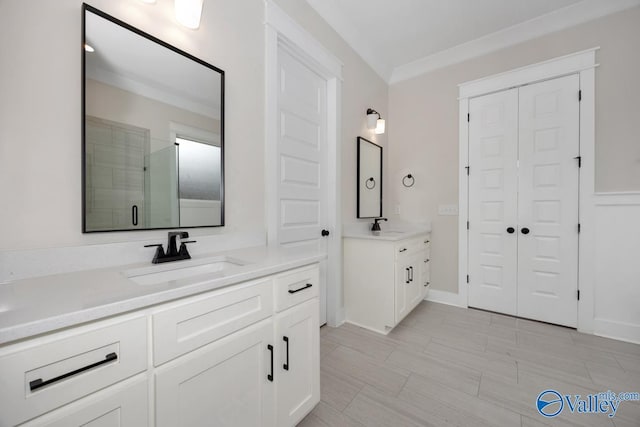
column 411, row 246
column 296, row 286
column 124, row 404
column 204, row 319
column 57, row 371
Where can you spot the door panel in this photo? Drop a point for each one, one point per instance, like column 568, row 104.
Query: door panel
column 493, row 151
column 302, row 156
column 302, row 147
column 402, row 282
column 548, row 201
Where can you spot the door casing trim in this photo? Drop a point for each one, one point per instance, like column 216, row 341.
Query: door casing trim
column 584, row 64
column 281, row 29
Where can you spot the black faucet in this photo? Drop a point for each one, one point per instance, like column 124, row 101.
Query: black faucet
column 375, row 226
column 173, row 253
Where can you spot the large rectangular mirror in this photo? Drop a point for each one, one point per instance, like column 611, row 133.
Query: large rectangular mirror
column 369, row 203
column 153, row 132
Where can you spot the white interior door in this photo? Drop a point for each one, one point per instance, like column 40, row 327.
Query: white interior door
column 493, row 153
column 548, row 201
column 302, row 157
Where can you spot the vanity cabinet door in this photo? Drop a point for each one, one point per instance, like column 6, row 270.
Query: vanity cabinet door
column 225, row 383
column 414, row 287
column 298, row 362
column 402, row 288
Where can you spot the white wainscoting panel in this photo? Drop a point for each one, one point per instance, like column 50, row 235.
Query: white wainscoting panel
column 617, row 266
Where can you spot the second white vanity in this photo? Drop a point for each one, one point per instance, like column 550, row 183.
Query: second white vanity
column 385, row 276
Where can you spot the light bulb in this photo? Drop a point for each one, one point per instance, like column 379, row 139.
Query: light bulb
column 188, row 12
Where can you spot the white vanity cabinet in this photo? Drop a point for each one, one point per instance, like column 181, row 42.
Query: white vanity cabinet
column 241, row 379
column 242, row 355
column 384, row 279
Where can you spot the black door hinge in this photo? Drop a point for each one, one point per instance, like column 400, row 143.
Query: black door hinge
column 579, row 159
column 579, row 227
column 578, row 294
column 467, row 278
column 580, row 95
column 467, row 225
column 468, row 117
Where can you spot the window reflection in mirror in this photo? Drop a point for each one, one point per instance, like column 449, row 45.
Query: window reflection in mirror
column 153, row 132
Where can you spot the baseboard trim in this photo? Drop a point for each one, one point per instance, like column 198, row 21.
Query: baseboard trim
column 620, row 331
column 444, row 297
column 369, row 328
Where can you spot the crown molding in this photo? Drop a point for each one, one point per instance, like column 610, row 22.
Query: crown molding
column 560, row 19
column 329, row 10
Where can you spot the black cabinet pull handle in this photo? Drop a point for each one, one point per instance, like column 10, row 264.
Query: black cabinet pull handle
column 325, row 233
column 426, row 260
column 411, row 274
column 525, row 230
column 270, row 376
column 286, row 365
column 38, row 383
column 403, row 250
column 407, row 279
column 134, row 215
column 510, row 230
column 426, row 241
column 426, row 284
column 308, row 285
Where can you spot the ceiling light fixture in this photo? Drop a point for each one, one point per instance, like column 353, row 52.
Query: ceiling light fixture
column 375, row 121
column 188, row 12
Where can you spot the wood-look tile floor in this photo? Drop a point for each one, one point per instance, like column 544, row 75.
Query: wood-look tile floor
column 448, row 366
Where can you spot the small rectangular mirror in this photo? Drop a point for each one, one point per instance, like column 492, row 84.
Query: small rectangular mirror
column 369, row 203
column 153, row 131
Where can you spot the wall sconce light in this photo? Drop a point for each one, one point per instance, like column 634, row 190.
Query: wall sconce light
column 188, row 12
column 375, row 121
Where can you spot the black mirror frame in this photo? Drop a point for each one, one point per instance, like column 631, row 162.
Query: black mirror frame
column 359, row 178
column 88, row 8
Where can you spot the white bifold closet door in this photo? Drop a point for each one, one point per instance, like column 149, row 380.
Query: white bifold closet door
column 523, row 201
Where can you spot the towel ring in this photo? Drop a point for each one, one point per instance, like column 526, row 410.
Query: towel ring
column 406, row 182
column 372, row 185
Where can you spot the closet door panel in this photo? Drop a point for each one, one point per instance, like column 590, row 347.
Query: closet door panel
column 493, row 153
column 548, row 201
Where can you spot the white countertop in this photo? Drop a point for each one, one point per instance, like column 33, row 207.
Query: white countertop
column 390, row 232
column 33, row 306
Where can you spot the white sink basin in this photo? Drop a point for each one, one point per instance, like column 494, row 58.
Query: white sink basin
column 181, row 270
